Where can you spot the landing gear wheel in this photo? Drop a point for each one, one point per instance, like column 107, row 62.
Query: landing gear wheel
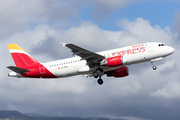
column 100, row 81
column 99, row 70
column 154, row 67
column 95, row 74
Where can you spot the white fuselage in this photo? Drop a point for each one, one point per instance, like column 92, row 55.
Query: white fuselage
column 131, row 55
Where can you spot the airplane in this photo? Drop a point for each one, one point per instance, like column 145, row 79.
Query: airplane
column 112, row 63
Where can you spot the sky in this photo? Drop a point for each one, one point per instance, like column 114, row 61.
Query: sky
column 39, row 27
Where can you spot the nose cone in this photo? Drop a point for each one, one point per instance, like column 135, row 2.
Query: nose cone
column 170, row 50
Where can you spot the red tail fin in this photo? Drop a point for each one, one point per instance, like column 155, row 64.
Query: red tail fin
column 21, row 58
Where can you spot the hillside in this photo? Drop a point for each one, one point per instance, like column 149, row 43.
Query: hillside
column 16, row 115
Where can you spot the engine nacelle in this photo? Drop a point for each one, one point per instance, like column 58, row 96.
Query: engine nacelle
column 113, row 61
column 121, row 72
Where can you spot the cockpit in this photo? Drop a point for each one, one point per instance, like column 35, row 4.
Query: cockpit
column 161, row 45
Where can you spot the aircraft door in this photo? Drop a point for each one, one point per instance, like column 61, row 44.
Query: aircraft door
column 41, row 69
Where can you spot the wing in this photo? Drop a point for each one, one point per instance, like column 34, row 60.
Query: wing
column 87, row 55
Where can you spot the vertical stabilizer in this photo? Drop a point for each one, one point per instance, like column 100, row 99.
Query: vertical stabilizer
column 21, row 58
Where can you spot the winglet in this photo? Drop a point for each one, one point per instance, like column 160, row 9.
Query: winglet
column 64, row 44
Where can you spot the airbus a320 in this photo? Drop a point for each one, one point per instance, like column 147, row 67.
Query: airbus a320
column 112, row 63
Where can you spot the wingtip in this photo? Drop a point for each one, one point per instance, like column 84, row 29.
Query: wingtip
column 64, row 44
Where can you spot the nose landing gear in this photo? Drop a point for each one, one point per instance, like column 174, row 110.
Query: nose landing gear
column 154, row 67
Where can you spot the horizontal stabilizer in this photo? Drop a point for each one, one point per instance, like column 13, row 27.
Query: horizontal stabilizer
column 17, row 69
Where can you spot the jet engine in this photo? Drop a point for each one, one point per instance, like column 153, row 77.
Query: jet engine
column 121, row 72
column 112, row 62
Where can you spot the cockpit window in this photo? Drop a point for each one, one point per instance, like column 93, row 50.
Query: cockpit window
column 161, row 44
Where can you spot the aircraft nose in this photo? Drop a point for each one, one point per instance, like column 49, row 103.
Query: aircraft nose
column 171, row 50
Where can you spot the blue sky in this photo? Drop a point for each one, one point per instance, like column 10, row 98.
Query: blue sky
column 157, row 12
column 39, row 27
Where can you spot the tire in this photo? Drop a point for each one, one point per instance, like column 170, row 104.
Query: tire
column 100, row 81
column 99, row 70
column 95, row 74
column 154, row 67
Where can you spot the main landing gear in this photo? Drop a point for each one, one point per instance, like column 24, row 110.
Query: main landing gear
column 154, row 67
column 100, row 81
column 97, row 74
